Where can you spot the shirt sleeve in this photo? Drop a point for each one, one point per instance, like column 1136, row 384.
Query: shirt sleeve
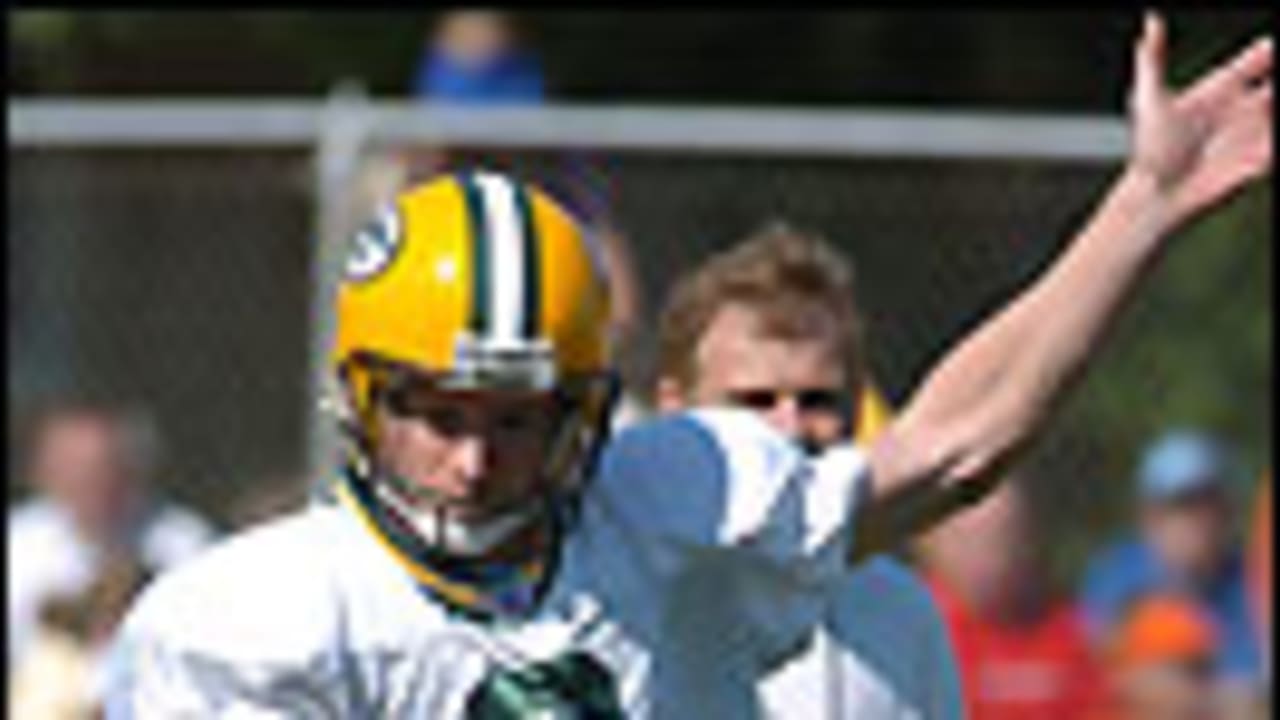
column 722, row 484
column 149, row 678
column 240, row 631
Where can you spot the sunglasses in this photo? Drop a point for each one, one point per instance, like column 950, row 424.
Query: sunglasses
column 807, row 399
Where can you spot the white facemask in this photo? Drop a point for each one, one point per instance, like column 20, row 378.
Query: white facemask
column 464, row 539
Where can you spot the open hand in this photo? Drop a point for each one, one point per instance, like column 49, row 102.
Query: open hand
column 1200, row 145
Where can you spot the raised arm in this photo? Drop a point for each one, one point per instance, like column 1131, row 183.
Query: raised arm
column 991, row 395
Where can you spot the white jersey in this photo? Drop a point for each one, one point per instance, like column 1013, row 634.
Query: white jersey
column 699, row 564
column 882, row 651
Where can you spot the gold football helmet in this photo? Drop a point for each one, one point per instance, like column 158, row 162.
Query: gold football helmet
column 477, row 281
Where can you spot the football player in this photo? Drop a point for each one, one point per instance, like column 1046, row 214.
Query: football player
column 770, row 325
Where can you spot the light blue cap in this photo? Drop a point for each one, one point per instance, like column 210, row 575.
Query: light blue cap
column 1181, row 462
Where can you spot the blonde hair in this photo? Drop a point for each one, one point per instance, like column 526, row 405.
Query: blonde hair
column 799, row 286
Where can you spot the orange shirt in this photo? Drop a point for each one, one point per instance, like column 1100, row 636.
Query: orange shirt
column 1044, row 669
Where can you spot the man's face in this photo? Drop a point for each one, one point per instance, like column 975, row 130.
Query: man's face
column 797, row 385
column 1188, row 532
column 80, row 463
column 474, row 454
column 474, row 37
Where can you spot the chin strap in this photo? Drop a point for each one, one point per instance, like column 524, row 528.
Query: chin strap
column 447, row 536
column 478, row 589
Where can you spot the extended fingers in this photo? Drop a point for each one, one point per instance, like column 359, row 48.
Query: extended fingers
column 1245, row 136
column 1149, row 59
column 1254, row 63
column 1260, row 108
column 1248, row 68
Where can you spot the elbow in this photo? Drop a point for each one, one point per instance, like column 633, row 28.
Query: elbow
column 986, row 447
column 923, row 472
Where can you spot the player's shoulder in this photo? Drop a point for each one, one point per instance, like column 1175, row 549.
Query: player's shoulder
column 674, row 435
column 701, row 450
column 890, row 580
column 713, row 438
column 264, row 592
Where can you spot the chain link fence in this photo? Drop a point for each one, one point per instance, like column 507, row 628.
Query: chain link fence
column 181, row 279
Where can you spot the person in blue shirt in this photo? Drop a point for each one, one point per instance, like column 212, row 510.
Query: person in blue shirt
column 1183, row 543
column 474, row 57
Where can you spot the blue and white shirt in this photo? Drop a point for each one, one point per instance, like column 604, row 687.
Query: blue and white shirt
column 701, row 562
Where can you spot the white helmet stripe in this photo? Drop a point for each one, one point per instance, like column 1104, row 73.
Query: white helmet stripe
column 507, row 259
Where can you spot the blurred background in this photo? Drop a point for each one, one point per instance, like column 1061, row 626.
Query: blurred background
column 183, row 275
column 1067, row 61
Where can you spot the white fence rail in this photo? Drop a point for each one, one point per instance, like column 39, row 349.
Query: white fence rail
column 825, row 132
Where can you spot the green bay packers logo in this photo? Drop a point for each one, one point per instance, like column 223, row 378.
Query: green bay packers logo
column 374, row 246
column 572, row 686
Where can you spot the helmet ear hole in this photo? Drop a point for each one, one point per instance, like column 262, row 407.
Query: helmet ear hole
column 363, row 382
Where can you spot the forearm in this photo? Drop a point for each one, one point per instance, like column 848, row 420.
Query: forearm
column 1031, row 350
column 1061, row 321
column 993, row 393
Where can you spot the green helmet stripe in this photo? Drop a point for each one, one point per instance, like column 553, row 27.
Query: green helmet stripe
column 481, row 272
column 532, row 287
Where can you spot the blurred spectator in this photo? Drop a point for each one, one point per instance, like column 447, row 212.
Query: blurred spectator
column 1159, row 660
column 89, row 466
column 478, row 58
column 1185, row 545
column 475, row 56
column 61, row 676
column 1261, row 538
column 1022, row 651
